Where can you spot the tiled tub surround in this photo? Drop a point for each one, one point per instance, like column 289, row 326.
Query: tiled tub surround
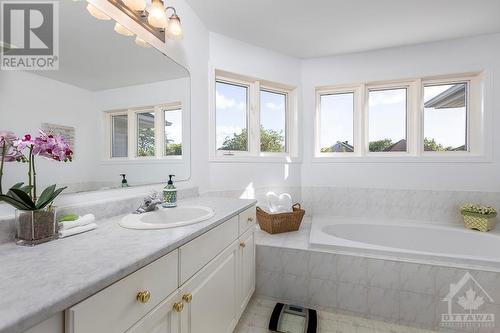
column 392, row 290
column 43, row 280
column 103, row 204
column 422, row 205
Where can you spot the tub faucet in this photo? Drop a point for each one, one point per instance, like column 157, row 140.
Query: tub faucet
column 150, row 203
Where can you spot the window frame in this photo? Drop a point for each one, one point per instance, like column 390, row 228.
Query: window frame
column 356, row 116
column 132, row 125
column 477, row 131
column 253, row 120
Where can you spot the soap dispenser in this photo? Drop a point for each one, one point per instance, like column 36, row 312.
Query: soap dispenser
column 170, row 194
column 124, row 180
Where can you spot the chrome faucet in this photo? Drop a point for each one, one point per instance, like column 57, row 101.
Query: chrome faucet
column 150, row 203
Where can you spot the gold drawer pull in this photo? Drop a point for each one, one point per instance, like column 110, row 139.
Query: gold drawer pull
column 242, row 244
column 178, row 306
column 187, row 298
column 143, row 296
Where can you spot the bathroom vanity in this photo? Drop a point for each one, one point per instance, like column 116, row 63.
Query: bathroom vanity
column 201, row 282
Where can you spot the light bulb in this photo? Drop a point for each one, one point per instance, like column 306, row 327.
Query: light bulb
column 174, row 30
column 141, row 42
column 135, row 4
column 122, row 30
column 98, row 14
column 157, row 16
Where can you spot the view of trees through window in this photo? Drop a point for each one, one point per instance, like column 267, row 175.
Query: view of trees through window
column 145, row 134
column 173, row 132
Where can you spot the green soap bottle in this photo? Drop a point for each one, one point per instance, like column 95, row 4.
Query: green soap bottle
column 170, row 194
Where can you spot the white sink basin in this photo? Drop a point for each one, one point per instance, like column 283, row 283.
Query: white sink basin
column 167, row 217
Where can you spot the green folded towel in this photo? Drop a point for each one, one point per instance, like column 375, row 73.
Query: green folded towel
column 69, row 217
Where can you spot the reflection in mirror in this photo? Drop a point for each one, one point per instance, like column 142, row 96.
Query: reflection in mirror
column 122, row 105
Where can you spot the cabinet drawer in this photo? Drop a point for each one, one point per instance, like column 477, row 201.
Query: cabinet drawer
column 197, row 253
column 117, row 308
column 247, row 219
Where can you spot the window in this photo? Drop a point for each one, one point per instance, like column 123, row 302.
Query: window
column 423, row 117
column 231, row 116
column 445, row 117
column 337, row 123
column 387, row 120
column 119, row 135
column 138, row 133
column 173, row 132
column 272, row 121
column 252, row 118
column 145, row 134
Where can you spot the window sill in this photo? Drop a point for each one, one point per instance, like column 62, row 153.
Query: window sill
column 255, row 159
column 426, row 158
column 146, row 160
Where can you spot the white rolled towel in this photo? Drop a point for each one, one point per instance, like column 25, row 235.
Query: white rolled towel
column 285, row 203
column 77, row 230
column 80, row 222
column 273, row 202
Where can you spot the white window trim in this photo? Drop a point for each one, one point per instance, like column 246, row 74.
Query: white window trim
column 477, row 132
column 254, row 155
column 132, row 113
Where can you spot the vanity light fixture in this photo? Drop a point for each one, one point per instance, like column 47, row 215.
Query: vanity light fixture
column 98, row 14
column 157, row 16
column 149, row 14
column 138, row 5
column 122, row 30
column 174, row 30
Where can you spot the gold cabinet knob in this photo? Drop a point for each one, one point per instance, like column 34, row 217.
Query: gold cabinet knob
column 242, row 244
column 187, row 298
column 178, row 306
column 143, row 296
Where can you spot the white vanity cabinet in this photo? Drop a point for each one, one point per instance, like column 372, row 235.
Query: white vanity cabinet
column 202, row 287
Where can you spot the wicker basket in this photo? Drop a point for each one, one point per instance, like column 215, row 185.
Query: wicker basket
column 479, row 222
column 281, row 222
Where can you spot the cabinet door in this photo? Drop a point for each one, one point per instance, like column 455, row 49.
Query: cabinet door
column 246, row 268
column 210, row 296
column 162, row 319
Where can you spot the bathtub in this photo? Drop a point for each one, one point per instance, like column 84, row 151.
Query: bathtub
column 444, row 244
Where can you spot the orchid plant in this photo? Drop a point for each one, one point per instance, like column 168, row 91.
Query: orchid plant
column 25, row 149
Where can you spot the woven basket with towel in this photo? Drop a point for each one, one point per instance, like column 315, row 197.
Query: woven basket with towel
column 280, row 222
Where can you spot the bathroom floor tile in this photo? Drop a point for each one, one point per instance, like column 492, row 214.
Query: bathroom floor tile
column 256, row 317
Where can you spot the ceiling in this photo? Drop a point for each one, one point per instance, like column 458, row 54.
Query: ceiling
column 94, row 57
column 316, row 28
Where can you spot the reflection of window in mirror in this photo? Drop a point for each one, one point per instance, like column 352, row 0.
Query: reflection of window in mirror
column 150, row 132
column 173, row 131
column 119, row 135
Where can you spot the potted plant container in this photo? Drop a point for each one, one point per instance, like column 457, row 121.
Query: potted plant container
column 478, row 217
column 35, row 215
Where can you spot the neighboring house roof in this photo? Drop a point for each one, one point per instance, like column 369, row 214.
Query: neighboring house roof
column 453, row 97
column 398, row 146
column 342, row 147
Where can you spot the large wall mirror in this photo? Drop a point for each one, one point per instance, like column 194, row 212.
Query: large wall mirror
column 123, row 105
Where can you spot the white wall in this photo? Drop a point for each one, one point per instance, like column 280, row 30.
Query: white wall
column 448, row 57
column 237, row 57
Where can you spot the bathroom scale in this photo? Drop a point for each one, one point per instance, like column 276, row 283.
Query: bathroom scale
column 293, row 319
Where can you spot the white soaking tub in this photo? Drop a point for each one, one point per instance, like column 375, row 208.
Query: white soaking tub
column 449, row 244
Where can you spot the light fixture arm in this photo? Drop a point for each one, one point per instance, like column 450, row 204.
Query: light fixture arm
column 172, row 8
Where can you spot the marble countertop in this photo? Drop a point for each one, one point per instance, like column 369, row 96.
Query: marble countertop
column 38, row 282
